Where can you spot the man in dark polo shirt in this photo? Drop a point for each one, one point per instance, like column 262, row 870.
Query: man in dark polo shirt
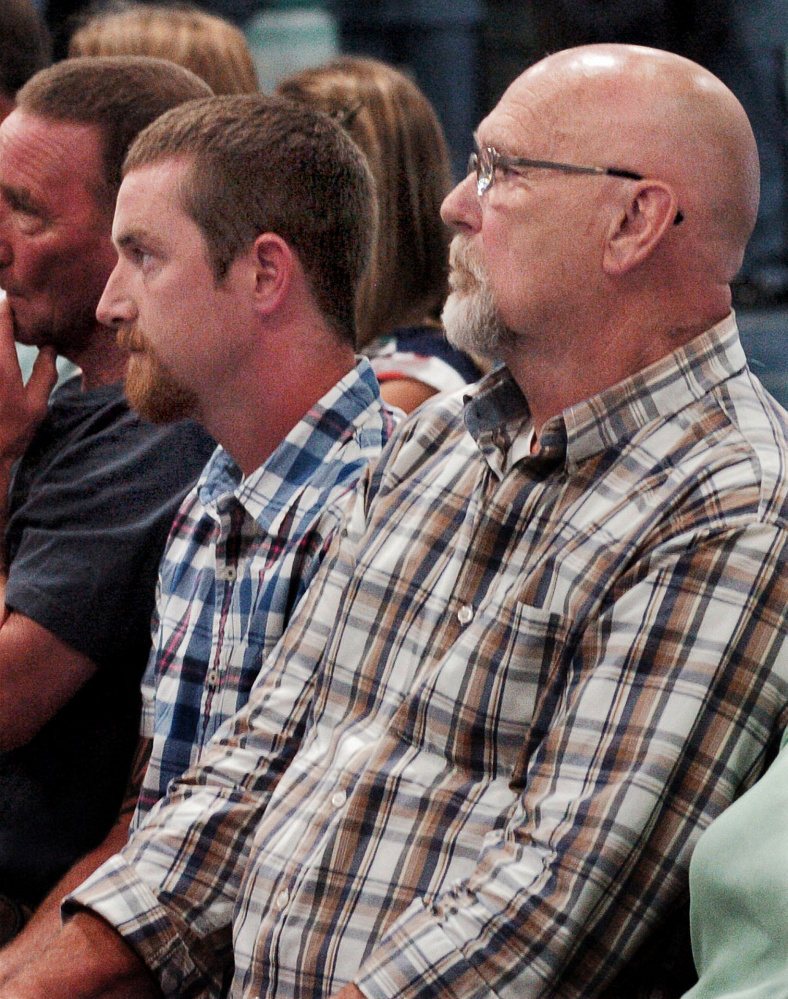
column 92, row 488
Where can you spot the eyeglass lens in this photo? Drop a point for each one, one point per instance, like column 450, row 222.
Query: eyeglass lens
column 481, row 163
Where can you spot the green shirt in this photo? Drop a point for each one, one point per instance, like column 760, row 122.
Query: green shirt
column 739, row 895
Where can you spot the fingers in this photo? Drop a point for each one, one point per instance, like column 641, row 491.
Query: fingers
column 7, row 343
column 41, row 382
column 22, row 407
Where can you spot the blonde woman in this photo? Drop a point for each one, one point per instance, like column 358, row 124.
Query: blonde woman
column 210, row 47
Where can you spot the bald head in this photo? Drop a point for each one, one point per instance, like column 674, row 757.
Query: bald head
column 660, row 115
column 624, row 262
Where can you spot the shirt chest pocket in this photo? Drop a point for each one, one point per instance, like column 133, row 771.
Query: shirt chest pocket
column 475, row 706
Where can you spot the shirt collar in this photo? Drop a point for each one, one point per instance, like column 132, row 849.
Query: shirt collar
column 662, row 389
column 270, row 490
column 498, row 418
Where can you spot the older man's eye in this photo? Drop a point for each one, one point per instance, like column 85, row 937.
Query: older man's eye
column 506, row 169
column 29, row 222
column 27, row 217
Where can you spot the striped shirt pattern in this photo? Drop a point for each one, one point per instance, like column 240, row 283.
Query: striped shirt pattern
column 241, row 554
column 517, row 691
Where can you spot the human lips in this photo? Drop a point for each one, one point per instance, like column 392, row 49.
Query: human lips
column 14, row 300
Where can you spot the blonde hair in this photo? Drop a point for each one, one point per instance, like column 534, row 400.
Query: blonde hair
column 396, row 127
column 210, row 47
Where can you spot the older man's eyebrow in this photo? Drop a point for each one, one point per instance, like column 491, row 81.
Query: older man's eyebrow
column 21, row 199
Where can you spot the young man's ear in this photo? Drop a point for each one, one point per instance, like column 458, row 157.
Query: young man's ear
column 272, row 263
column 640, row 226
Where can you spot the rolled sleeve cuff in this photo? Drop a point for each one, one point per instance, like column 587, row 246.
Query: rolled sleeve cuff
column 116, row 893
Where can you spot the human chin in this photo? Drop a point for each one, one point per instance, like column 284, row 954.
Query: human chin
column 46, row 322
column 472, row 324
column 469, row 316
column 153, row 391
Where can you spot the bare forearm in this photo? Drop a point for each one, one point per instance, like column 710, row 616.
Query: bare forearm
column 86, row 960
column 44, row 926
column 38, row 672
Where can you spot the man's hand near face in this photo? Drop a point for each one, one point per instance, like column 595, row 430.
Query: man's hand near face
column 22, row 407
column 28, row 697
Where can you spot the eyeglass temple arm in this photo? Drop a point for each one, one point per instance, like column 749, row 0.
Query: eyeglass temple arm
column 572, row 168
column 605, row 171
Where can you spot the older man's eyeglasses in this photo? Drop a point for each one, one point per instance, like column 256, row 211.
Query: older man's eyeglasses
column 486, row 160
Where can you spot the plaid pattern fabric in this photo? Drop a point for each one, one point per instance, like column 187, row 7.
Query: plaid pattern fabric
column 241, row 554
column 515, row 694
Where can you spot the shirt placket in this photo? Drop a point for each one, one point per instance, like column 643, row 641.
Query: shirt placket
column 503, row 507
column 231, row 516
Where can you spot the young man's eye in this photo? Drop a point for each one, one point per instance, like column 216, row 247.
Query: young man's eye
column 141, row 257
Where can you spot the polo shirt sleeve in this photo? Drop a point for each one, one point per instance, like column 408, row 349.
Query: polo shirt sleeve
column 89, row 534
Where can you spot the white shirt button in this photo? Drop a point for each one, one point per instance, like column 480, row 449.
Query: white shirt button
column 228, row 572
column 338, row 798
column 213, row 676
column 465, row 614
column 281, row 900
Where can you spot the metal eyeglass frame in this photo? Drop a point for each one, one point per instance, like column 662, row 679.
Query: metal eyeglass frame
column 486, row 160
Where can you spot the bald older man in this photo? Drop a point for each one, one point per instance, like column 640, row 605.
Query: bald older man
column 549, row 645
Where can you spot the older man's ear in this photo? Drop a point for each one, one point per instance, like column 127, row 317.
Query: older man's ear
column 639, row 227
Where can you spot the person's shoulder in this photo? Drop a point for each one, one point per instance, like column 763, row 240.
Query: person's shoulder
column 99, row 430
column 760, row 429
column 183, row 444
column 190, row 439
column 440, row 416
column 432, row 433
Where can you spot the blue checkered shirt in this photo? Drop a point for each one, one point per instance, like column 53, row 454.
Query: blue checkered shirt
column 241, row 554
column 516, row 692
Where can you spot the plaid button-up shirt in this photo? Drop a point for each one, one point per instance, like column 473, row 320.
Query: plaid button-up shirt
column 518, row 689
column 241, row 554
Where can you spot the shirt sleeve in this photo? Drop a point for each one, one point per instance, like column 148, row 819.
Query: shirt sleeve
column 91, row 533
column 172, row 891
column 739, row 881
column 659, row 723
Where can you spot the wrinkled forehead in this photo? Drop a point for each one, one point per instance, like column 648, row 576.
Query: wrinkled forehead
column 620, row 103
column 50, row 154
column 535, row 116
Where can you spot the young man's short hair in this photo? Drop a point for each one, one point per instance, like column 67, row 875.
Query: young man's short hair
column 265, row 164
